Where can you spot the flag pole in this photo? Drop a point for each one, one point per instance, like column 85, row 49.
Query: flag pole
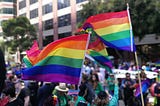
column 84, row 57
column 135, row 53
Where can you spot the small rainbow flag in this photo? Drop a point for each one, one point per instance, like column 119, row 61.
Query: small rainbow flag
column 113, row 29
column 145, row 85
column 33, row 52
column 59, row 61
column 97, row 50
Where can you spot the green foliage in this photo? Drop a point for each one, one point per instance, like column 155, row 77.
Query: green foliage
column 145, row 14
column 18, row 32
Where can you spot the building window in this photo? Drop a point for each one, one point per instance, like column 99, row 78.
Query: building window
column 78, row 1
column 23, row 15
column 47, row 40
column 34, row 13
column 22, row 4
column 7, row 11
column 47, row 8
column 33, row 1
column 79, row 19
column 63, row 35
column 48, row 24
column 64, row 20
column 63, row 4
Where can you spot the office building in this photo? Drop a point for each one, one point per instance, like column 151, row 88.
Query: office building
column 7, row 11
column 53, row 19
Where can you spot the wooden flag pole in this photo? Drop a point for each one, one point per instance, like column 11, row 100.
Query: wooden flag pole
column 136, row 57
column 89, row 34
column 139, row 78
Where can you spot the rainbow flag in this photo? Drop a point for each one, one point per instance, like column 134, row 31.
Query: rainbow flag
column 113, row 29
column 33, row 52
column 27, row 61
column 59, row 61
column 145, row 86
column 97, row 50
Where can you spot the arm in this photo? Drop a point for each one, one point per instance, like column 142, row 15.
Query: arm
column 26, row 101
column 27, row 97
column 123, row 84
column 114, row 100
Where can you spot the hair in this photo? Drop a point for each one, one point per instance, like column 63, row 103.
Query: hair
column 102, row 99
column 128, row 73
column 2, row 71
column 143, row 75
column 84, row 77
column 11, row 77
column 96, row 75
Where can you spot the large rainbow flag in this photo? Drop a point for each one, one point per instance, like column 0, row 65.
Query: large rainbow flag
column 59, row 61
column 113, row 29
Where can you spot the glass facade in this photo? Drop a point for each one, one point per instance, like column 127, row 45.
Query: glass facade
column 63, row 4
column 64, row 20
column 7, row 11
column 8, row 1
column 48, row 24
column 22, row 4
column 47, row 40
column 47, row 8
column 63, row 35
column 24, row 15
column 34, row 13
column 33, row 1
column 78, row 1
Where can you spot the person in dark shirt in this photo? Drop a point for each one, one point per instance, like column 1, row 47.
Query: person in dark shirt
column 33, row 88
column 128, row 87
column 157, row 93
column 13, row 100
column 22, row 92
column 44, row 92
column 2, row 71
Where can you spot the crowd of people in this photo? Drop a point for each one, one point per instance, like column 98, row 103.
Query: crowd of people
column 97, row 87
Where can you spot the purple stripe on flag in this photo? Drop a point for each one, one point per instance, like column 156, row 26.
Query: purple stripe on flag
column 109, row 64
column 53, row 78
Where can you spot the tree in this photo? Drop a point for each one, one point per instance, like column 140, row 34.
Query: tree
column 18, row 32
column 145, row 14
